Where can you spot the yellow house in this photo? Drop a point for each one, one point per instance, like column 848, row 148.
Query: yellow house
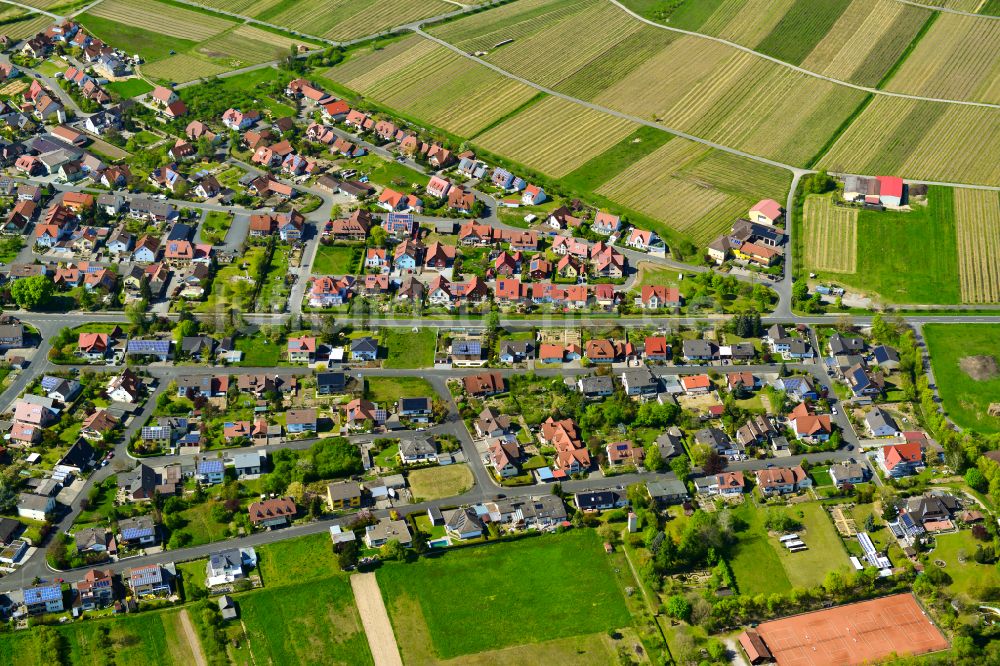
column 568, row 267
column 343, row 495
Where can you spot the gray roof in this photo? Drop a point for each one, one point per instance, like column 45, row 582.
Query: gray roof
column 877, row 418
column 641, row 376
column 713, row 437
column 596, row 384
column 666, row 488
column 415, row 447
column 249, row 459
column 343, row 490
column 698, row 348
column 840, row 344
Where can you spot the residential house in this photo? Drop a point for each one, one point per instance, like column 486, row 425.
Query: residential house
column 625, row 453
column 596, row 386
column 96, row 590
column 782, row 480
column 300, row 420
column 227, row 566
column 808, row 426
column 696, row 384
column 269, row 513
column 463, row 524
column 766, row 211
column 43, row 598
column 600, row 500
column 137, row 532
column 149, row 581
column 504, row 456
column 301, row 349
column 639, row 381
column 879, row 423
column 417, row 451
column 899, row 460
column 484, row 384
column 364, row 349
column 699, row 350
column 386, row 530
column 847, row 473
column 343, row 495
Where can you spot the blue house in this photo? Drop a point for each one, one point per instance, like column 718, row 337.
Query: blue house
column 211, row 471
column 300, row 420
column 364, row 349
column 43, row 599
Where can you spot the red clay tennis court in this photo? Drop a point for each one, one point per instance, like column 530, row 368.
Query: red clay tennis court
column 853, row 634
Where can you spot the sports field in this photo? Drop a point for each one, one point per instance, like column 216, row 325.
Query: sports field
column 692, row 189
column 920, row 140
column 901, row 257
column 958, row 58
column 966, row 392
column 977, row 226
column 831, row 235
column 313, row 622
column 514, row 603
column 860, row 633
column 349, row 19
column 423, row 80
column 555, row 136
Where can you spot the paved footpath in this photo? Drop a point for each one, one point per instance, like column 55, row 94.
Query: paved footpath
column 375, row 619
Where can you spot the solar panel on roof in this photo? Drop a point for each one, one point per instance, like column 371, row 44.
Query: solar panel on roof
column 130, row 533
column 149, row 346
column 34, row 595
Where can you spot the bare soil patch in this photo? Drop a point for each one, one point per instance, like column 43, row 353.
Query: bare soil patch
column 981, row 368
column 375, row 619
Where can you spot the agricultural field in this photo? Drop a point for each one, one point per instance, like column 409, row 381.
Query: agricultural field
column 246, row 45
column 734, row 98
column 26, row 27
column 958, row 58
column 857, row 41
column 831, row 235
column 421, row 79
column 515, row 20
column 422, row 602
column 161, row 18
column 965, row 358
column 920, row 140
column 977, row 227
column 312, row 622
column 242, row 7
column 686, row 82
column 901, row 257
column 694, row 190
column 555, row 136
column 434, row 483
column 349, row 19
column 152, row 46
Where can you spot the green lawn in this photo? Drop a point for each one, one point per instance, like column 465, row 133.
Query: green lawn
column 312, row 622
column 258, row 353
column 388, row 456
column 966, row 400
column 388, row 174
column 129, row 87
column 907, row 258
column 387, row 390
column 337, row 259
column 200, row 525
column 194, row 575
column 9, row 248
column 969, row 577
column 434, row 483
column 101, row 327
column 215, row 226
column 408, row 349
column 826, row 552
column 525, row 605
column 755, row 563
column 294, row 560
column 821, row 477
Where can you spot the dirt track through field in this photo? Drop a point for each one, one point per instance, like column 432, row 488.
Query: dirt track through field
column 192, row 639
column 375, row 619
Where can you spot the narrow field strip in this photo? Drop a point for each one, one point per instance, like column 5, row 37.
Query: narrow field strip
column 162, row 18
column 375, row 619
column 830, row 236
column 977, row 226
